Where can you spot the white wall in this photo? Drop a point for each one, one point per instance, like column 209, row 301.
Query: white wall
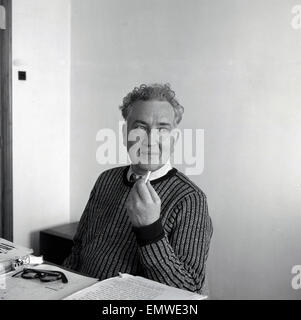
column 41, row 116
column 235, row 66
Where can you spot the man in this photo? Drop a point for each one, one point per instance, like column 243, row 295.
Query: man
column 159, row 229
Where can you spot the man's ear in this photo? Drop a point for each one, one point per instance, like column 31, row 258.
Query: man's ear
column 125, row 133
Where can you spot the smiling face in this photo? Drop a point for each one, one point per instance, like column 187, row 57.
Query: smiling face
column 149, row 134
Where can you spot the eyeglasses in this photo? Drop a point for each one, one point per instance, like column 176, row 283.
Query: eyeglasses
column 43, row 275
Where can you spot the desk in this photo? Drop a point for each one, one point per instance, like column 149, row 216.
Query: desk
column 122, row 287
column 56, row 242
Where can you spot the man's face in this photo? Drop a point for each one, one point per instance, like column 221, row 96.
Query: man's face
column 149, row 134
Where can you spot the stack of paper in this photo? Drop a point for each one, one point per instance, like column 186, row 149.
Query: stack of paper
column 128, row 287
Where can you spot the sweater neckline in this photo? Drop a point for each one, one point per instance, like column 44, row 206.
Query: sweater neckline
column 169, row 174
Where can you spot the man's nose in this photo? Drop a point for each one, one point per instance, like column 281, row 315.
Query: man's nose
column 152, row 138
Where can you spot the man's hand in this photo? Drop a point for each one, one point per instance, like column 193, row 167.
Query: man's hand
column 143, row 204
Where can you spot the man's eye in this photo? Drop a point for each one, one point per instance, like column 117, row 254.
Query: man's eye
column 163, row 130
column 140, row 127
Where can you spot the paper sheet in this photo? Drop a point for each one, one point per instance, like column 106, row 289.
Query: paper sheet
column 129, row 287
column 17, row 288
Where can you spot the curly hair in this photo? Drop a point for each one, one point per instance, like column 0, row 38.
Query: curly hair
column 160, row 92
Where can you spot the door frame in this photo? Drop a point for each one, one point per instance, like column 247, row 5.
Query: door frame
column 6, row 160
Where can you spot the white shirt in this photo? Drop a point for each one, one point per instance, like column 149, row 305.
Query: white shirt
column 154, row 174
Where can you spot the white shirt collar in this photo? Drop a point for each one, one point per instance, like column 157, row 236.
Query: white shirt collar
column 154, row 174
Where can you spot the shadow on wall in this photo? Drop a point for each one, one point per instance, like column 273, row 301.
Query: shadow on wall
column 35, row 242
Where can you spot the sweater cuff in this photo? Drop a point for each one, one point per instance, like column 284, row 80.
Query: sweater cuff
column 149, row 234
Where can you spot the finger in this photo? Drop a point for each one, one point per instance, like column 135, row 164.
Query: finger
column 153, row 193
column 134, row 194
column 143, row 191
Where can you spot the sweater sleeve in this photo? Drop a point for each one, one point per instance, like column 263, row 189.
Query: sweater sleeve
column 73, row 261
column 178, row 259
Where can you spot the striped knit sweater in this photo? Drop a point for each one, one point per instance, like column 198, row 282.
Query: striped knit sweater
column 173, row 250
